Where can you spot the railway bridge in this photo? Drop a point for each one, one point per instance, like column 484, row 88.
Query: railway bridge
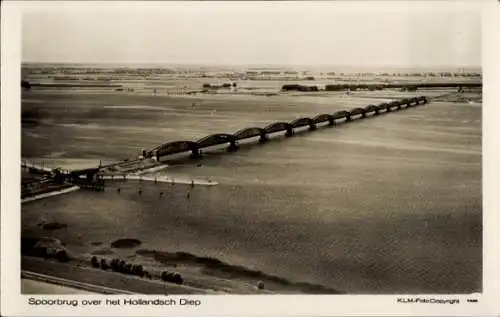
column 194, row 148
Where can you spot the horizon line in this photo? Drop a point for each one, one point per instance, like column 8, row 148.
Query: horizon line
column 253, row 64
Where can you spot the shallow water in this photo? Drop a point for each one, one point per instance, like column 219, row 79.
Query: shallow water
column 385, row 205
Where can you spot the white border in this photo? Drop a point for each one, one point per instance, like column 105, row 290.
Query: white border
column 276, row 305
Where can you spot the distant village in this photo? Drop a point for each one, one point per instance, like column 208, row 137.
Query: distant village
column 110, row 74
column 224, row 80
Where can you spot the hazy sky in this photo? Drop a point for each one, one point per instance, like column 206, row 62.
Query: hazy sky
column 324, row 33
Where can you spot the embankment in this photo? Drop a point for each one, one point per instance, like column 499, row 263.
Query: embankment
column 102, row 281
column 217, row 268
column 200, row 274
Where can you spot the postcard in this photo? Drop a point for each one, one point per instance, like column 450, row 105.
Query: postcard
column 252, row 158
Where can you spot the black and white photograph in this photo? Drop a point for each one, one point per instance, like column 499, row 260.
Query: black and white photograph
column 286, row 148
column 214, row 154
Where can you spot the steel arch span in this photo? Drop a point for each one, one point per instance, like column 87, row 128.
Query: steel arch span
column 342, row 114
column 278, row 127
column 215, row 139
column 323, row 118
column 173, row 148
column 358, row 111
column 303, row 122
column 371, row 108
column 249, row 133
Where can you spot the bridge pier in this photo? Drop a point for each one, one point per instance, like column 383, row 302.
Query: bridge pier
column 263, row 138
column 331, row 121
column 312, row 127
column 289, row 132
column 348, row 117
column 195, row 154
column 363, row 115
column 90, row 176
column 233, row 146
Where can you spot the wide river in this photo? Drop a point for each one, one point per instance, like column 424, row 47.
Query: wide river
column 390, row 204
